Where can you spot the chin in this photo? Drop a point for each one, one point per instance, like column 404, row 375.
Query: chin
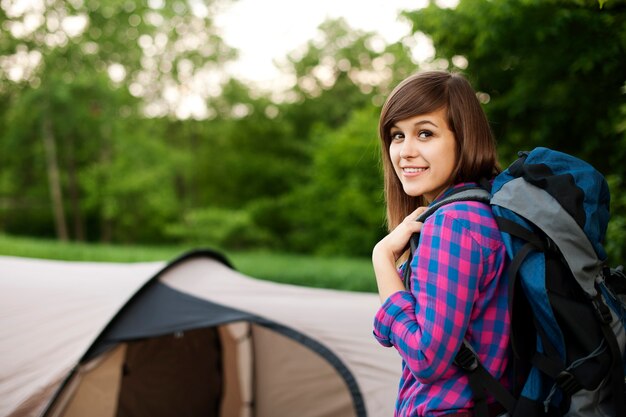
column 411, row 192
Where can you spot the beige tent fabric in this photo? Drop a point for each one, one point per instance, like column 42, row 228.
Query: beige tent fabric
column 292, row 380
column 99, row 386
column 340, row 320
column 238, row 372
column 51, row 312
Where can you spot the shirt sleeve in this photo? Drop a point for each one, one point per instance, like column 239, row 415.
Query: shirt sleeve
column 427, row 324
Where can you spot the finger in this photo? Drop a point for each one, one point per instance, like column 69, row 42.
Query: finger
column 416, row 213
column 415, row 227
column 420, row 210
column 410, row 226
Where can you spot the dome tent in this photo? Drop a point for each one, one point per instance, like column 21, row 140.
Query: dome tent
column 192, row 337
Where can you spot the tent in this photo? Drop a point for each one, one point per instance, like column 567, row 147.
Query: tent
column 192, row 337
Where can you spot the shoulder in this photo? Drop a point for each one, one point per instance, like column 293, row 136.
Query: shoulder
column 472, row 217
column 474, row 212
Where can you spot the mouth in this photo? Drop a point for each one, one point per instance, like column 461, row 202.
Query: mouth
column 413, row 170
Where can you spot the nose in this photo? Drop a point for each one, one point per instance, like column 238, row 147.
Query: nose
column 409, row 148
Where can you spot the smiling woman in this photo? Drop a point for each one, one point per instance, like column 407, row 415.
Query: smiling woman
column 436, row 141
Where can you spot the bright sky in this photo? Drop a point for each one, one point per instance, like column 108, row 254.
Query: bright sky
column 267, row 30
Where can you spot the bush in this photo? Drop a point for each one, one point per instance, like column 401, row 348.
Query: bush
column 340, row 211
column 227, row 228
column 616, row 232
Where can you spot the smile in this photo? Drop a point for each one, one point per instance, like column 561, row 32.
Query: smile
column 413, row 170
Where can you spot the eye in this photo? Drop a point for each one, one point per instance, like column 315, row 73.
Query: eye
column 397, row 136
column 424, row 134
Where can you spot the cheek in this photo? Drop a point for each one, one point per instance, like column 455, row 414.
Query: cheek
column 394, row 155
column 453, row 160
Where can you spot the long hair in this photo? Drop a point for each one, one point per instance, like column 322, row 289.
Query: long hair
column 427, row 92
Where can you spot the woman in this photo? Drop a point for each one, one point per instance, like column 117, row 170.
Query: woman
column 435, row 139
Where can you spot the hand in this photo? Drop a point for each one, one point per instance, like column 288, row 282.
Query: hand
column 394, row 244
column 388, row 250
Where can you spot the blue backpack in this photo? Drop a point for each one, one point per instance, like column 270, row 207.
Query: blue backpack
column 568, row 308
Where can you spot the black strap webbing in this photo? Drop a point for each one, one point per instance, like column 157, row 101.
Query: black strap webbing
column 616, row 374
column 519, row 231
column 513, row 272
column 482, row 382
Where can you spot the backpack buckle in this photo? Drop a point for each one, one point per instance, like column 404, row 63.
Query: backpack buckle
column 602, row 310
column 568, row 383
column 466, row 359
column 551, row 246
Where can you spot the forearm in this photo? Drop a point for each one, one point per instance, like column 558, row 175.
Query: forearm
column 386, row 273
column 396, row 324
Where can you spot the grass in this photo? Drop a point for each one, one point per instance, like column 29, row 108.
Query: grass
column 351, row 274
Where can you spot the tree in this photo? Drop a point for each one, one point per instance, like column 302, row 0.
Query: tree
column 74, row 111
column 551, row 73
column 67, row 69
column 341, row 209
column 335, row 205
column 340, row 71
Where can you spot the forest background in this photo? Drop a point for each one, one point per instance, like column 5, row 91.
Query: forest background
column 93, row 148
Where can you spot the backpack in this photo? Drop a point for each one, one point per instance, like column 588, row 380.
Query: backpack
column 567, row 307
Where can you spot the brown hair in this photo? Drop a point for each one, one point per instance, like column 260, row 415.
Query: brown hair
column 427, row 92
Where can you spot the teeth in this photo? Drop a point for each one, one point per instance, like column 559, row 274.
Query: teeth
column 413, row 170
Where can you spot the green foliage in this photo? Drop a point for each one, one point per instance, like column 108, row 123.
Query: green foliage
column 338, row 272
column 254, row 172
column 130, row 190
column 616, row 232
column 553, row 70
column 340, row 209
column 72, row 113
column 76, row 151
column 341, row 71
column 219, row 228
column 299, row 174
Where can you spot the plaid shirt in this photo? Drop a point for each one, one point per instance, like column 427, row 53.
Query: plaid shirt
column 458, row 290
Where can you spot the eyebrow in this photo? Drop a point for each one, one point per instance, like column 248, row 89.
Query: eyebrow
column 418, row 123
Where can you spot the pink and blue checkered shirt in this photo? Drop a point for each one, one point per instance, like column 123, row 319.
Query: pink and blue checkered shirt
column 458, row 290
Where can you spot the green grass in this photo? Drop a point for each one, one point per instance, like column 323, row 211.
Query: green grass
column 352, row 274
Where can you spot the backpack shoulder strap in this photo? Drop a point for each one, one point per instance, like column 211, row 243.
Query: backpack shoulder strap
column 470, row 193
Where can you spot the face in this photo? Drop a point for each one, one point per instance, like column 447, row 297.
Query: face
column 423, row 154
